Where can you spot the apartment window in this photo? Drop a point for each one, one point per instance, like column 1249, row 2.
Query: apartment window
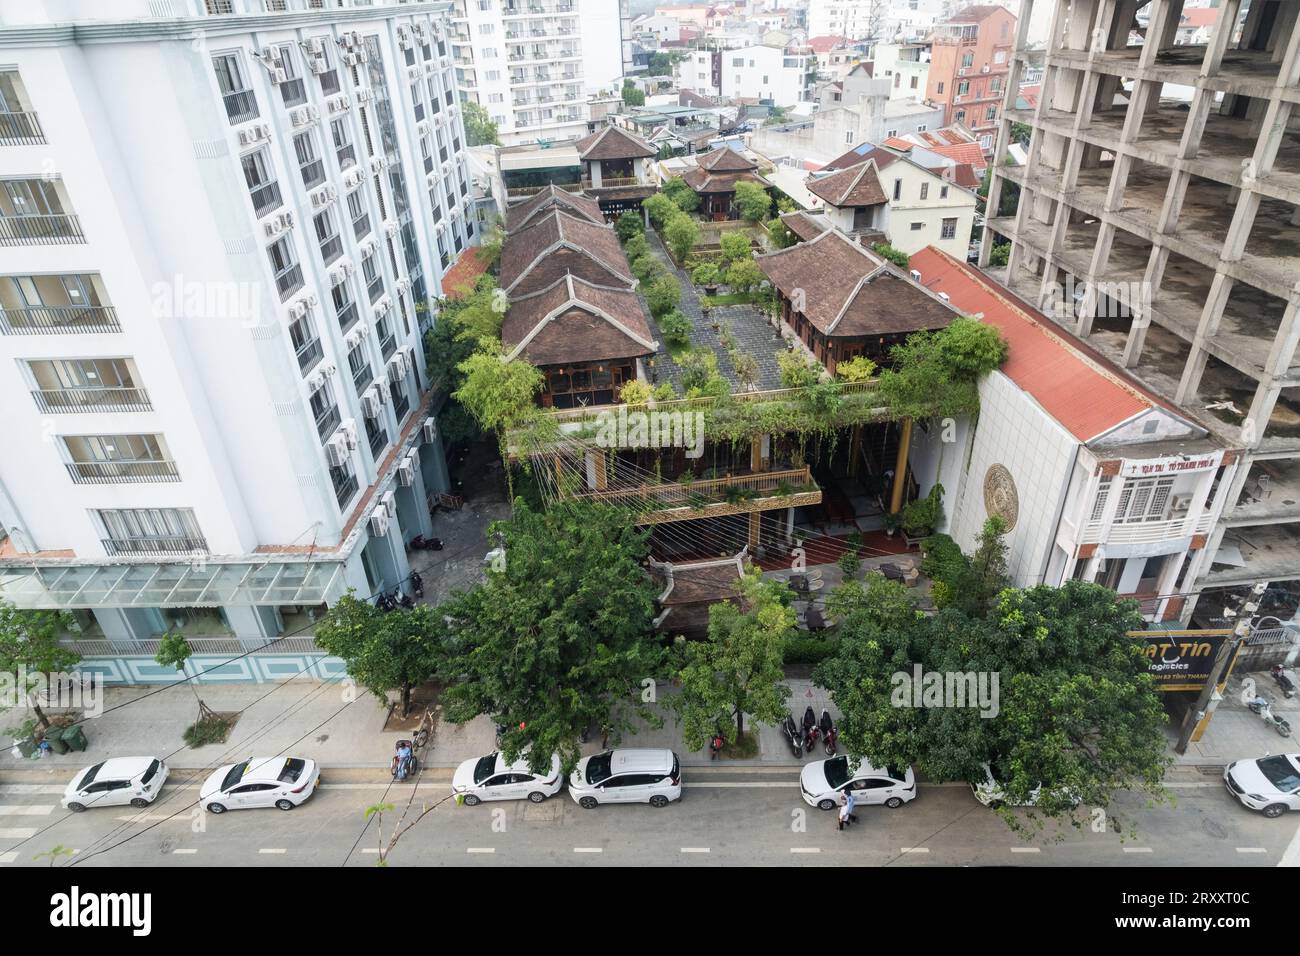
column 912, row 82
column 963, row 87
column 1143, row 499
column 306, row 343
column 925, row 190
column 113, row 459
column 262, row 187
column 1103, row 492
column 53, row 303
column 1000, row 56
column 359, row 364
column 387, row 342
column 490, row 53
column 968, row 60
column 991, row 114
column 417, row 100
column 898, row 189
column 77, row 385
column 345, row 308
column 898, row 80
column 288, row 274
column 150, row 531
column 358, row 214
column 240, row 103
column 917, row 226
column 943, row 192
column 343, row 148
column 324, row 410
column 949, row 230
column 327, row 235
column 293, row 92
column 940, row 88
column 487, row 29
column 848, row 137
column 309, row 164
column 961, row 116
column 374, row 280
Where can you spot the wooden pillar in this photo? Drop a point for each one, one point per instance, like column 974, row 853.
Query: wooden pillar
column 900, row 466
column 598, row 461
column 757, row 461
column 755, row 523
column 855, row 450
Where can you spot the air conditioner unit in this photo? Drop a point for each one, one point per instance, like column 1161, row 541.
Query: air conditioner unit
column 349, row 430
column 430, row 429
column 298, row 309
column 403, row 40
column 336, row 451
column 406, row 472
column 286, row 217
column 389, row 503
column 351, row 59
column 279, row 75
column 378, row 164
column 397, row 368
column 365, row 95
column 379, row 522
column 273, row 227
column 339, row 104
column 316, row 46
column 382, row 306
column 1179, row 504
column 319, row 198
column 414, row 73
column 314, row 382
column 391, row 227
column 984, row 68
column 371, row 404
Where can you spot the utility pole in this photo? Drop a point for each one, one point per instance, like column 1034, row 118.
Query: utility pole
column 1209, row 699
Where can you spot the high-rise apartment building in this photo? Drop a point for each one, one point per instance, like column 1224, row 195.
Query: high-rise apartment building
column 532, row 63
column 222, row 228
column 969, row 64
column 1158, row 217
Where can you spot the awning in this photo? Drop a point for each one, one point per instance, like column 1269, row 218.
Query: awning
column 210, row 583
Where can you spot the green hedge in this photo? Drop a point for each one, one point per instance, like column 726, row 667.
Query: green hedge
column 808, row 650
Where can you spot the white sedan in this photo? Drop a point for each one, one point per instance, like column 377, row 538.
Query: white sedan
column 491, row 778
column 1270, row 784
column 824, row 782
column 122, row 780
column 282, row 782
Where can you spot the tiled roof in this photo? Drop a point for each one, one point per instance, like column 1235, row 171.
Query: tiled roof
column 853, row 187
column 805, row 226
column 703, row 181
column 576, row 321
column 849, row 291
column 724, row 159
column 613, row 142
column 459, row 280
column 1080, row 389
column 552, row 198
column 974, row 14
column 962, row 153
column 557, row 243
column 824, row 44
column 860, row 154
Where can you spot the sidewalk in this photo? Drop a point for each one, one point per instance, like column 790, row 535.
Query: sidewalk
column 1235, row 732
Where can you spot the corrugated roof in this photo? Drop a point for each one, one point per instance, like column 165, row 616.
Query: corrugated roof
column 1077, row 389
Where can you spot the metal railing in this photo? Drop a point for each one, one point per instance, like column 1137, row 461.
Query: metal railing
column 67, row 319
column 378, row 439
column 361, row 225
column 347, row 156
column 329, row 82
column 347, row 316
column 375, row 289
column 40, row 230
column 293, row 92
column 610, row 181
column 55, row 401
column 289, row 281
column 1142, row 532
column 265, row 198
column 89, row 647
column 388, row 346
column 20, row 129
column 241, row 106
column 401, row 404
column 327, row 422
column 764, row 484
column 331, row 249
column 309, row 354
column 313, row 173
column 121, row 472
column 362, row 378
column 684, row 404
column 154, row 544
column 344, row 490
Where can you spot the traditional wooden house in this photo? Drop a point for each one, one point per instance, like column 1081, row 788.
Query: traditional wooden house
column 843, row 300
column 616, row 169
column 714, row 179
column 689, row 590
column 549, row 199
column 558, row 243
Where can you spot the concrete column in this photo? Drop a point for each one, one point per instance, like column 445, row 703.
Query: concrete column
column 1211, row 316
column 789, row 524
column 125, row 626
column 1151, row 279
column 254, row 624
column 1220, row 37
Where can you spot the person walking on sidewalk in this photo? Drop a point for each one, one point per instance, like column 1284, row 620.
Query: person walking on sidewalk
column 845, row 817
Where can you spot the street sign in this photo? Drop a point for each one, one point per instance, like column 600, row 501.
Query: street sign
column 1182, row 660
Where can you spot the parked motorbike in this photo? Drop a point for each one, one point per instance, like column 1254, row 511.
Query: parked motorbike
column 1264, row 707
column 421, row 543
column 404, row 600
column 793, row 735
column 1283, row 681
column 417, row 584
column 828, row 732
column 385, row 602
column 405, row 763
column 810, row 732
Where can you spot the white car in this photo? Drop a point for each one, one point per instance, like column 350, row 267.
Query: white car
column 991, row 793
column 1269, row 784
column 824, row 782
column 115, row 783
column 491, row 778
column 627, row 775
column 282, row 782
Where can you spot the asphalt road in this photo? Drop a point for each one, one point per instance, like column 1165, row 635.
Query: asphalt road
column 724, row 818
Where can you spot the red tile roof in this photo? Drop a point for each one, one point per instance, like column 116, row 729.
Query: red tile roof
column 1079, row 389
column 460, row 278
column 856, row 186
column 824, row 44
column 1199, row 17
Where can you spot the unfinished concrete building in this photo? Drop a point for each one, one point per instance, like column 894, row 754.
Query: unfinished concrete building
column 1158, row 218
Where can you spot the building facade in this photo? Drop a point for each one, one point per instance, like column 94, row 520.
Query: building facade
column 1163, row 234
column 969, row 68
column 213, row 290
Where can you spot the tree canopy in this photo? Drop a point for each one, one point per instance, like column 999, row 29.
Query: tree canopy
column 752, row 201
column 479, row 128
column 29, row 643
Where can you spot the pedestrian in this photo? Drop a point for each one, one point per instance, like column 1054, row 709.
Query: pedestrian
column 850, row 803
column 845, row 817
column 715, row 746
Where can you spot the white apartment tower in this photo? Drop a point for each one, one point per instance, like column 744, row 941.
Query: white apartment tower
column 532, row 63
column 222, row 225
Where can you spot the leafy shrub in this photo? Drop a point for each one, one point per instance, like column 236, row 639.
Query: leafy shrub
column 675, row 326
column 808, row 650
column 629, row 224
column 706, row 273
column 735, row 246
column 636, row 247
column 647, row 268
column 681, row 233
column 635, row 392
column 663, row 295
column 888, row 252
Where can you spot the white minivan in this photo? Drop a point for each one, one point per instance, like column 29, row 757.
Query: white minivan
column 627, row 775
column 116, row 782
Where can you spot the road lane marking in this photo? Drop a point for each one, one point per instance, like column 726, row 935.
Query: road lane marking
column 10, row 810
column 264, row 850
column 8, row 857
column 748, row 786
column 805, row 849
column 480, row 849
column 1251, row 849
column 588, row 849
column 1291, row 855
column 915, row 849
column 184, row 852
column 1025, row 849
column 695, row 849
column 370, row 849
column 1137, row 849
column 17, row 833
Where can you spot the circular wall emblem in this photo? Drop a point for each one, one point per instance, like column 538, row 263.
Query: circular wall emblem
column 1000, row 496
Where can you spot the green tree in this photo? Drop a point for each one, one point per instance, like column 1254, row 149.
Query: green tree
column 561, row 638
column 479, row 128
column 175, row 651
column 735, row 246
column 780, row 234
column 681, row 234
column 498, row 394
column 646, row 267
column 738, row 670
column 753, row 202
column 660, row 209
column 384, row 650
column 935, row 373
column 1075, row 710
column 663, row 295
column 888, row 252
column 675, row 326
column 858, row 369
column 699, row 374
column 985, row 573
column 30, row 648
column 744, row 276
column 632, row 96
column 797, row 370
column 1000, row 255
column 706, row 273
column 683, row 196
column 636, row 247
column 629, row 224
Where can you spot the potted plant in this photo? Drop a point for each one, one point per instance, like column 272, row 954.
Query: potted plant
column 919, row 518
column 706, row 276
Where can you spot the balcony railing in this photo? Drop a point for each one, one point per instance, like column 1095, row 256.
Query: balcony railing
column 241, row 106
column 378, row 439
column 40, row 230
column 289, row 281
column 347, row 317
column 327, row 422
column 293, row 92
column 608, row 182
column 57, row 401
column 265, row 198
column 121, row 472
column 310, row 353
column 331, row 249
column 20, row 129
column 59, row 319
column 736, row 492
column 1144, row 532
column 155, row 544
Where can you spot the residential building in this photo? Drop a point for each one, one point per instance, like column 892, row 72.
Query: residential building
column 1163, row 234
column 714, row 177
column 912, row 19
column 1094, row 477
column 532, row 63
column 768, row 74
column 905, row 65
column 214, row 284
column 969, row 68
column 843, row 18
